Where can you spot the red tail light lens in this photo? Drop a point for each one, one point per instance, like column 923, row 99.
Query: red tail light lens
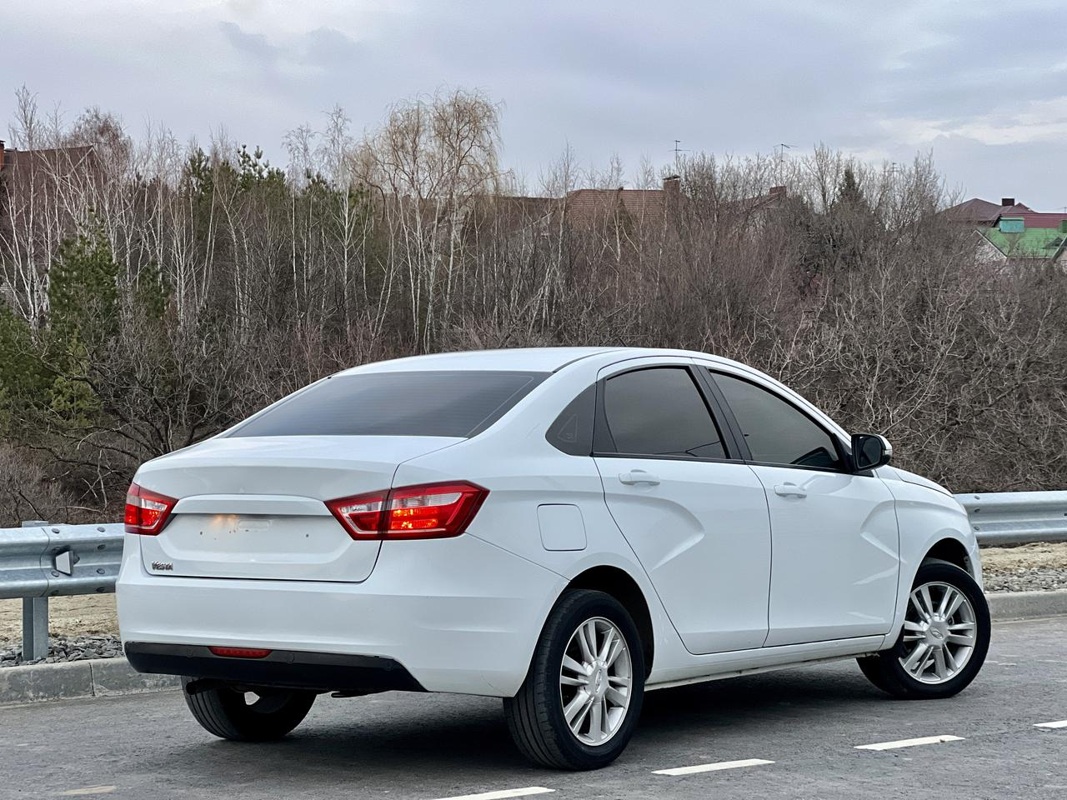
column 431, row 511
column 361, row 515
column 146, row 511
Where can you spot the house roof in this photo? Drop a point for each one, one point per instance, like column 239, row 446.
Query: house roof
column 513, row 214
column 775, row 196
column 978, row 211
column 1039, row 243
column 1037, row 219
column 50, row 158
column 585, row 205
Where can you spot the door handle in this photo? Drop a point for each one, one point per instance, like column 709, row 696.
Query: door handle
column 638, row 476
column 789, row 490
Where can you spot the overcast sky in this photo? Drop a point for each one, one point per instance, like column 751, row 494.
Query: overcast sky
column 983, row 85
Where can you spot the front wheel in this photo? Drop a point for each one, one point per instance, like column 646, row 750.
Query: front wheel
column 944, row 640
column 254, row 716
column 580, row 702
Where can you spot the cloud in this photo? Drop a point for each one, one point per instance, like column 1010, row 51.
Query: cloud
column 251, row 44
column 982, row 84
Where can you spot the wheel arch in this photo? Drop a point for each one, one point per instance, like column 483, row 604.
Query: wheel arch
column 952, row 551
column 620, row 585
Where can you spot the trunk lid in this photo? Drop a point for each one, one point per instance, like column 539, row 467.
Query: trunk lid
column 254, row 507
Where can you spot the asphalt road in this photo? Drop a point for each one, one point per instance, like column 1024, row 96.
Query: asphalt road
column 807, row 721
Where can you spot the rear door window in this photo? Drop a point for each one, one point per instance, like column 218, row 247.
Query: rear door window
column 454, row 404
column 660, row 412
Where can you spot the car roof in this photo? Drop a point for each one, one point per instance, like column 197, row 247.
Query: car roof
column 519, row 359
column 528, row 359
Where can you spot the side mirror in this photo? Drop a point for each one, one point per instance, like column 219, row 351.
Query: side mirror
column 870, row 451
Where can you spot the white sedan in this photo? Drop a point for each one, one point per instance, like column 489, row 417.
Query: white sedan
column 563, row 528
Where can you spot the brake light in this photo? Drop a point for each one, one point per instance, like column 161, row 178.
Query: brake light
column 147, row 511
column 430, row 511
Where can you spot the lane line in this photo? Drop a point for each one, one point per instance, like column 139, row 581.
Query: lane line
column 719, row 765
column 503, row 794
column 1061, row 724
column 909, row 742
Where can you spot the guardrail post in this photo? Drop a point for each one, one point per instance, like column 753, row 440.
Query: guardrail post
column 34, row 617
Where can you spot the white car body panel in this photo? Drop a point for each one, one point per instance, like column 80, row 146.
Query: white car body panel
column 464, row 614
column 253, row 508
column 926, row 518
column 701, row 533
column 836, row 556
column 457, row 613
column 703, row 537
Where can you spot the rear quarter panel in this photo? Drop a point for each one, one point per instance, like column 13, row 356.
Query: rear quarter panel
column 521, row 470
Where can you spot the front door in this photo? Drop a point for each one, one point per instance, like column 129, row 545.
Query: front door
column 836, row 553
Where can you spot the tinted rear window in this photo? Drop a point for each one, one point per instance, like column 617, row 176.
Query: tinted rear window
column 396, row 404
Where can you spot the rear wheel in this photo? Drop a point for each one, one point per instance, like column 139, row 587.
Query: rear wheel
column 260, row 715
column 944, row 641
column 580, row 702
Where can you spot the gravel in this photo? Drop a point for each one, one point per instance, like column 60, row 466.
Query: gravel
column 63, row 648
column 1027, row 580
column 1026, row 568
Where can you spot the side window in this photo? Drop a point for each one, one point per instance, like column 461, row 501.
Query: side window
column 776, row 431
column 572, row 432
column 660, row 412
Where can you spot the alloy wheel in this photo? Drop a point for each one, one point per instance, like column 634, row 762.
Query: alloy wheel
column 939, row 633
column 595, row 681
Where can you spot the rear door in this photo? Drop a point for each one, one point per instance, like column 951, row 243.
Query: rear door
column 696, row 518
column 836, row 553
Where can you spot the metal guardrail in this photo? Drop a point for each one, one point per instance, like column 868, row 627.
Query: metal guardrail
column 39, row 561
column 1017, row 517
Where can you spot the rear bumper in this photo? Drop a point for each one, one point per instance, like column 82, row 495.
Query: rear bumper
column 323, row 672
column 458, row 615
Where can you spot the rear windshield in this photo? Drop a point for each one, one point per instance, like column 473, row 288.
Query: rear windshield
column 396, row 404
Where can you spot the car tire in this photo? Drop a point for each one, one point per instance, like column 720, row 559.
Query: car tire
column 871, row 667
column 231, row 714
column 943, row 642
column 581, row 699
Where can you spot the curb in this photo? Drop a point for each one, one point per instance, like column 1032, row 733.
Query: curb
column 109, row 677
column 97, row 677
column 1027, row 605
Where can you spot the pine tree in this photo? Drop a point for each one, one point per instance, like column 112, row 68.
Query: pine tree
column 83, row 293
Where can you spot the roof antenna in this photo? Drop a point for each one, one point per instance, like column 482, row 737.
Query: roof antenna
column 779, row 157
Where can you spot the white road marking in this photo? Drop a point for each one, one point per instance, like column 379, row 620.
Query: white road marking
column 1061, row 724
column 89, row 790
column 503, row 794
column 909, row 742
column 748, row 762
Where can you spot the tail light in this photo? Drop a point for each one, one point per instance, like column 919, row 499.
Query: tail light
column 146, row 511
column 430, row 511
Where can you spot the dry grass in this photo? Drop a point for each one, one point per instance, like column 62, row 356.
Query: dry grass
column 68, row 616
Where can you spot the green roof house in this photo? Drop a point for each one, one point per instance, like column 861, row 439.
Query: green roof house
column 1011, row 239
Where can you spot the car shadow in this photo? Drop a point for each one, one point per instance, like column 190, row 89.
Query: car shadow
column 396, row 741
